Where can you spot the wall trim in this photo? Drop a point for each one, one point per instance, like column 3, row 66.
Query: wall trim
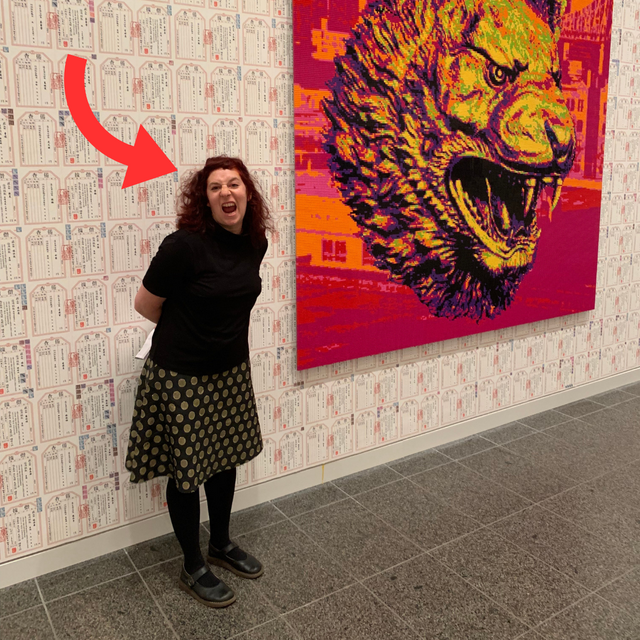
column 87, row 548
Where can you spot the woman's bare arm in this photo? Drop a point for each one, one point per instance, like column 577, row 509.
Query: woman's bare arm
column 148, row 305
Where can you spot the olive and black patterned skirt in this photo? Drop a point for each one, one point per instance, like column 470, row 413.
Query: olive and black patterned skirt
column 190, row 427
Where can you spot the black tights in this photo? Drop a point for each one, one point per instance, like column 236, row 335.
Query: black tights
column 184, row 510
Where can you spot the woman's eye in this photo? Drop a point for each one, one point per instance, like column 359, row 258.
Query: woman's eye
column 498, row 76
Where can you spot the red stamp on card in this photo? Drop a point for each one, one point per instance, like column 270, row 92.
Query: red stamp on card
column 63, row 196
column 143, row 194
column 81, row 461
column 208, row 36
column 135, row 29
column 52, row 20
column 56, row 81
column 59, row 139
column 70, row 307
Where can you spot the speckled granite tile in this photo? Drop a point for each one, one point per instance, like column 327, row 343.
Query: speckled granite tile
column 566, row 458
column 161, row 549
column 309, row 499
column 367, row 480
column 469, row 492
column 18, row 597
column 118, row 610
column 277, row 629
column 507, row 432
column 84, row 575
column 296, row 570
column 438, row 604
column 622, row 484
column 417, row 515
column 544, row 420
column 33, row 624
column 591, row 619
column 625, row 593
column 579, row 409
column 419, row 462
column 524, row 585
column 600, row 514
column 570, row 549
column 610, row 398
column 465, row 447
column 351, row 614
column 193, row 620
column 253, row 518
column 518, row 474
column 359, row 541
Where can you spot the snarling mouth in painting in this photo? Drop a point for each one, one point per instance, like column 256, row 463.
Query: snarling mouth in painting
column 499, row 204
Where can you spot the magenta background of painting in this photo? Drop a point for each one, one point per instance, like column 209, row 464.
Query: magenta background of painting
column 338, row 321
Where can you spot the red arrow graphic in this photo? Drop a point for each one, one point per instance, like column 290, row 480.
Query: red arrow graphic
column 145, row 160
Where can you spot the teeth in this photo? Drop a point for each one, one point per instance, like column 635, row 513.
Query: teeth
column 506, row 219
column 528, row 196
column 557, row 189
column 531, row 182
column 548, row 180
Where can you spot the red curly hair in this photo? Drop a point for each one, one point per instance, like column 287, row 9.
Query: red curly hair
column 195, row 215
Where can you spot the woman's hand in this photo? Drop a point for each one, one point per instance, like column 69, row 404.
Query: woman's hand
column 148, row 305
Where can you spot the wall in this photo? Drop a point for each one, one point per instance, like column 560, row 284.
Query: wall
column 205, row 77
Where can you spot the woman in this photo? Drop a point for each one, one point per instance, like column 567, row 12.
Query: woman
column 195, row 417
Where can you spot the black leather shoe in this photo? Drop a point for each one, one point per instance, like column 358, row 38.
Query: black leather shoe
column 219, row 596
column 250, row 567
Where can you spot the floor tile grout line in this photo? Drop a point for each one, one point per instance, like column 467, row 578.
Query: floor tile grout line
column 93, row 586
column 559, row 613
column 258, row 626
column 389, row 608
column 46, row 610
column 153, row 597
column 17, row 613
column 500, row 606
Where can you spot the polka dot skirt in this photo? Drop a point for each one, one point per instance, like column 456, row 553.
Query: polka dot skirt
column 190, row 427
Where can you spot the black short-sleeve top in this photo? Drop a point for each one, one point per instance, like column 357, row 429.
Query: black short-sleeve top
column 211, row 282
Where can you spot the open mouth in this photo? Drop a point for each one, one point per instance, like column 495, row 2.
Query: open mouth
column 499, row 204
column 229, row 207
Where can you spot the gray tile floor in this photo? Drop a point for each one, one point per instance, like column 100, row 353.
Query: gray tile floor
column 530, row 531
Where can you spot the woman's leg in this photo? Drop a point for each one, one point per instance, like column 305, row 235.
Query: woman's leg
column 184, row 510
column 220, row 489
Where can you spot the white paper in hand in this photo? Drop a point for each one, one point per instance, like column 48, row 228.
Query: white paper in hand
column 146, row 347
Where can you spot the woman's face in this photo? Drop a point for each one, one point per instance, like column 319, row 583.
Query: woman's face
column 227, row 197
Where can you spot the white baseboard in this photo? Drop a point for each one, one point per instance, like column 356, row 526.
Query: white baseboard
column 97, row 545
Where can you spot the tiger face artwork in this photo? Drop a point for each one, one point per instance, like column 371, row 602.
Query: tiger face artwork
column 447, row 128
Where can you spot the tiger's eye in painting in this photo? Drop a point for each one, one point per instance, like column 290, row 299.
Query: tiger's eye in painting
column 448, row 127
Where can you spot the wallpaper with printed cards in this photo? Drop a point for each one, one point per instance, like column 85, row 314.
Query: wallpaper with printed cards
column 208, row 77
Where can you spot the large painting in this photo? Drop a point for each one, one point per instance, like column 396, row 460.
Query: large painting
column 448, row 168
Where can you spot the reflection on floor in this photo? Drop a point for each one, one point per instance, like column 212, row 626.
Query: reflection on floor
column 529, row 531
